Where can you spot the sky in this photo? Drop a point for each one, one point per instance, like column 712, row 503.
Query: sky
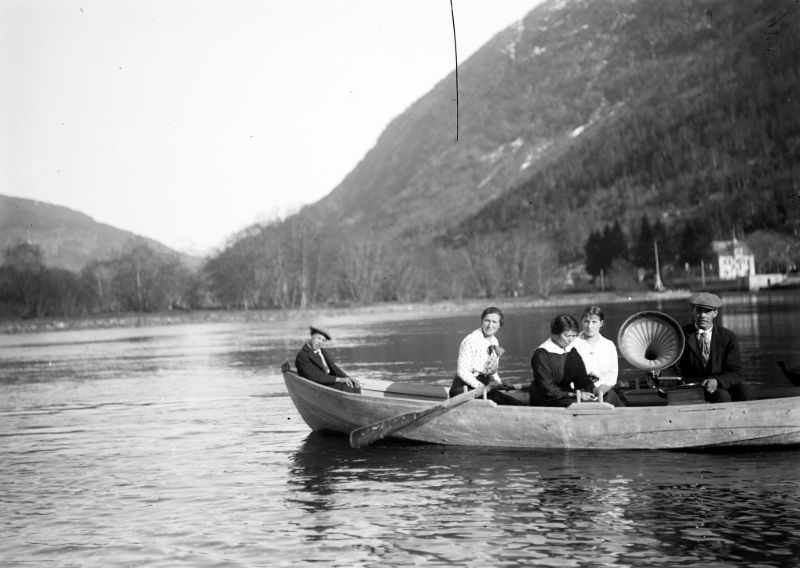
column 187, row 121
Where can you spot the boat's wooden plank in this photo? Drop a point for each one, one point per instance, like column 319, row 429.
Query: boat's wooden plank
column 404, row 389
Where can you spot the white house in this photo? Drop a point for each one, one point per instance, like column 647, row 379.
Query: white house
column 734, row 259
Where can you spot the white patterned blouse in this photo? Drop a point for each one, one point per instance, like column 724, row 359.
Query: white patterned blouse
column 477, row 355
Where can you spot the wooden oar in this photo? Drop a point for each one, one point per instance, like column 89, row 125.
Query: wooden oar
column 370, row 433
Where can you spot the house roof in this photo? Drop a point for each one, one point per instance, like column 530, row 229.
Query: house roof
column 731, row 248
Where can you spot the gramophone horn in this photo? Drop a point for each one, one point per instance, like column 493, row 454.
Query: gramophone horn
column 651, row 340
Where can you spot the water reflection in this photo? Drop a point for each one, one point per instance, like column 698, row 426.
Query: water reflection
column 618, row 508
column 311, row 481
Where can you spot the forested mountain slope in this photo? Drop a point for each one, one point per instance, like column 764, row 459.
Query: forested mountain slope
column 696, row 124
column 589, row 112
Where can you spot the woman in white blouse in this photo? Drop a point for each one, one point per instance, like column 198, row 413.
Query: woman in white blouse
column 599, row 355
column 479, row 359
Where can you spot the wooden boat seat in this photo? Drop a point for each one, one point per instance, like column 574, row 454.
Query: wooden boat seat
column 591, row 405
column 406, row 390
column 418, row 391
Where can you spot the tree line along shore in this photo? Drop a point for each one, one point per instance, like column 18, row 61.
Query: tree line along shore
column 386, row 311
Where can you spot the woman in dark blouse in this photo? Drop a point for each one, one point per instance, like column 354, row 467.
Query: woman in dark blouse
column 558, row 371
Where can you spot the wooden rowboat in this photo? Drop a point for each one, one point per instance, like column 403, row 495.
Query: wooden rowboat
column 596, row 426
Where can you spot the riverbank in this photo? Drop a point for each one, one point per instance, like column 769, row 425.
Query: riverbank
column 395, row 310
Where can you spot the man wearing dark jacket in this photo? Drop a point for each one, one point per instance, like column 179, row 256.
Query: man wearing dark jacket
column 711, row 355
column 315, row 363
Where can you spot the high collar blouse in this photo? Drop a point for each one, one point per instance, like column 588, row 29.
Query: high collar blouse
column 476, row 358
column 600, row 358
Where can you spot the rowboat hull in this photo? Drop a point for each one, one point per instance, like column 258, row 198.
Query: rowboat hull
column 596, row 426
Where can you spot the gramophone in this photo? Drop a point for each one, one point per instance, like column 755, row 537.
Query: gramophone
column 652, row 341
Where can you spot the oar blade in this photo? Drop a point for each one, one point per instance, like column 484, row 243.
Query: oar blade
column 371, row 433
column 366, row 435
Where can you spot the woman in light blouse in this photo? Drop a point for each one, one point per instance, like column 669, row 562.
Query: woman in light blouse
column 479, row 358
column 599, row 355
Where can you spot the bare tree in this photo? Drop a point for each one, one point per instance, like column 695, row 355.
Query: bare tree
column 484, row 269
column 362, row 268
column 25, row 272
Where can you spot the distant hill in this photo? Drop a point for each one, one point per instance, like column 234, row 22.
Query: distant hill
column 68, row 239
column 586, row 113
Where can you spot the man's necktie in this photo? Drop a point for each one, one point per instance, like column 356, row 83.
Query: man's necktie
column 704, row 340
column 324, row 362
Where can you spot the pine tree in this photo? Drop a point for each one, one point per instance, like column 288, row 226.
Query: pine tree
column 643, row 251
column 594, row 258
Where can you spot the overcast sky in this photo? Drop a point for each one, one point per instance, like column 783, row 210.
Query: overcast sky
column 188, row 120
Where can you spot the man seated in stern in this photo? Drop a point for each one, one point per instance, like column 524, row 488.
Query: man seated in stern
column 712, row 355
column 315, row 363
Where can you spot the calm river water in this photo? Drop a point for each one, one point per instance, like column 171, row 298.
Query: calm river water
column 178, row 446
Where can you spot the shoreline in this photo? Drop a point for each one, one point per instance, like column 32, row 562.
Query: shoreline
column 395, row 310
column 383, row 311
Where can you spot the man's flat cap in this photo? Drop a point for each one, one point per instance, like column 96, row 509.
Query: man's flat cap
column 706, row 300
column 324, row 334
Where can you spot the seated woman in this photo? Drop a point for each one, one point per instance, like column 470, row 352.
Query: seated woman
column 558, row 371
column 479, row 359
column 599, row 355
